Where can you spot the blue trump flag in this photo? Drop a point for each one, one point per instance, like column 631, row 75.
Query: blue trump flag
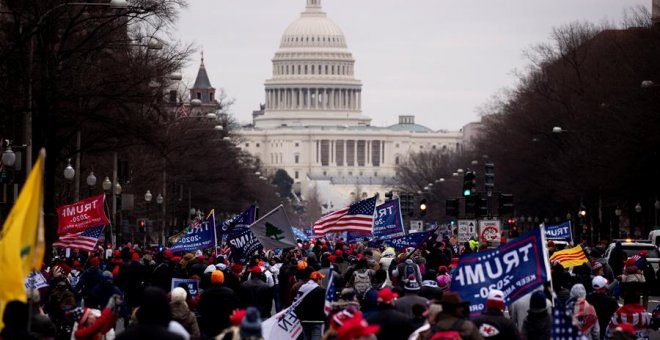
column 403, row 242
column 237, row 235
column 516, row 268
column 387, row 223
column 559, row 231
column 200, row 236
column 245, row 218
column 243, row 244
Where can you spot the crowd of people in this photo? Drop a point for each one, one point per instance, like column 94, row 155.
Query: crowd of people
column 379, row 293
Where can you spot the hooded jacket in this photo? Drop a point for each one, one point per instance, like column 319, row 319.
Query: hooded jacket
column 182, row 314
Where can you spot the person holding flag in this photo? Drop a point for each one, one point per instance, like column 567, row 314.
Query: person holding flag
column 311, row 309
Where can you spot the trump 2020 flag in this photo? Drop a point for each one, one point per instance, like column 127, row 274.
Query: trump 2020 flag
column 274, row 230
column 516, row 268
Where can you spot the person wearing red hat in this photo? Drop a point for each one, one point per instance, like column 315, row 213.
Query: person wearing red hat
column 492, row 323
column 357, row 329
column 393, row 324
column 631, row 312
column 255, row 292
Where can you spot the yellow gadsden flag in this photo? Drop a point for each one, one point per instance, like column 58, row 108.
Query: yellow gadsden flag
column 22, row 243
column 571, row 257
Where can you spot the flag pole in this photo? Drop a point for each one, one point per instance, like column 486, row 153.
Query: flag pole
column 215, row 234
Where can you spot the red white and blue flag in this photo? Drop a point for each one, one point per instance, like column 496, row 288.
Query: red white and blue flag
column 84, row 240
column 358, row 217
column 330, row 293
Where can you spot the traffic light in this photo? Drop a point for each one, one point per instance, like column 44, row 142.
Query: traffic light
column 406, row 202
column 469, row 184
column 482, row 205
column 489, row 177
column 513, row 228
column 505, row 204
column 142, row 224
column 471, row 206
column 452, row 207
column 423, row 206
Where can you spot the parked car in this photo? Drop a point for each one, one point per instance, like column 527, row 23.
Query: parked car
column 634, row 247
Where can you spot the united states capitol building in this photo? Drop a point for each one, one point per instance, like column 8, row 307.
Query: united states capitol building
column 312, row 124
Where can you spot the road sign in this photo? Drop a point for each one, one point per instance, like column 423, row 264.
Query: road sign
column 416, row 226
column 466, row 229
column 489, row 230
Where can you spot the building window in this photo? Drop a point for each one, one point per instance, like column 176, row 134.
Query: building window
column 199, row 95
column 364, row 195
column 350, row 173
column 295, row 175
column 375, row 153
column 339, row 152
column 434, row 147
column 361, row 152
column 375, row 173
column 325, row 152
column 296, row 159
column 173, row 96
column 396, row 160
column 247, row 145
column 361, row 174
column 421, row 146
column 325, row 173
column 211, row 98
column 296, row 144
column 396, row 145
column 350, row 152
column 257, row 145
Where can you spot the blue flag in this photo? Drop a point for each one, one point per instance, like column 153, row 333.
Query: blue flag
column 237, row 235
column 245, row 218
column 200, row 236
column 562, row 323
column 300, row 234
column 388, row 222
column 516, row 268
column 559, row 231
column 243, row 244
column 403, row 242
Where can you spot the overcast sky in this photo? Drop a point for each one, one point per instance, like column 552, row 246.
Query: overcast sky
column 439, row 60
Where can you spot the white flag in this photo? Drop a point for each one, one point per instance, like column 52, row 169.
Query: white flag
column 274, row 230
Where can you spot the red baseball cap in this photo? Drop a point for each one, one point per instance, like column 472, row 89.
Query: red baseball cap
column 387, row 295
column 355, row 328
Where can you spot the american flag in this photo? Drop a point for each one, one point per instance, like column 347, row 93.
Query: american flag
column 330, row 293
column 84, row 240
column 562, row 323
column 358, row 217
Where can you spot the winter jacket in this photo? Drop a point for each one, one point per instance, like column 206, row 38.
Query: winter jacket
column 605, row 307
column 215, row 306
column 131, row 281
column 393, row 324
column 468, row 329
column 148, row 332
column 256, row 292
column 634, row 314
column 537, row 326
column 405, row 304
column 183, row 315
column 492, row 324
column 96, row 330
column 311, row 308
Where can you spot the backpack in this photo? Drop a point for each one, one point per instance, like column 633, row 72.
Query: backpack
column 361, row 282
column 409, row 269
column 451, row 333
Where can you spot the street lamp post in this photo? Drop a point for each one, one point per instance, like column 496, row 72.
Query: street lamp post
column 147, row 198
column 69, row 175
column 656, row 205
column 91, row 182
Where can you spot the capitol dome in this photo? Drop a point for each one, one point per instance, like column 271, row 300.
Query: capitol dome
column 313, row 29
column 313, row 79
